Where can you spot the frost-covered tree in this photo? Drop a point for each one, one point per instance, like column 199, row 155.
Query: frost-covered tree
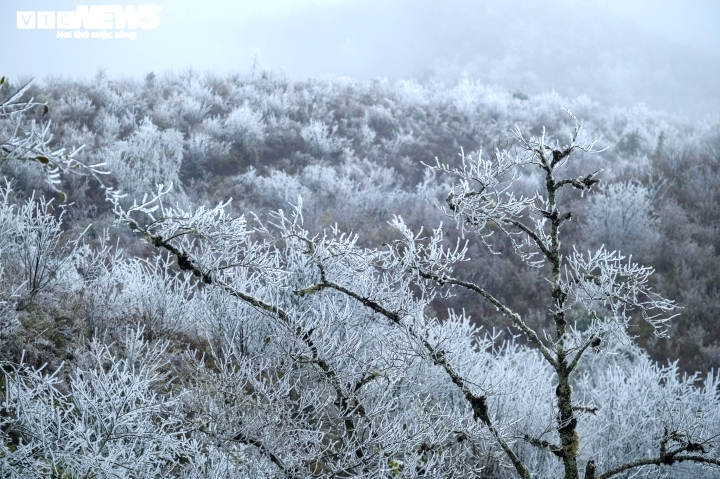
column 33, row 252
column 149, row 156
column 620, row 216
column 357, row 377
column 245, row 126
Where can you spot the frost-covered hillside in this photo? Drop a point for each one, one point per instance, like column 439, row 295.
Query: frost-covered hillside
column 248, row 276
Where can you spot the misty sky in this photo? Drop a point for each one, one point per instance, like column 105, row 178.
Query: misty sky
column 665, row 53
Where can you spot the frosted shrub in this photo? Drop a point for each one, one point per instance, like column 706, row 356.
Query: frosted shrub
column 77, row 108
column 159, row 299
column 147, row 157
column 112, row 419
column 620, row 216
column 193, row 111
column 35, row 256
column 9, row 293
column 320, row 139
column 107, row 125
column 202, row 149
column 245, row 126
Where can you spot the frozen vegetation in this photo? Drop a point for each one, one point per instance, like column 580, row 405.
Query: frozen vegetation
column 247, row 276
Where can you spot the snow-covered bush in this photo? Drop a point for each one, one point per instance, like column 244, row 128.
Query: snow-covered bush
column 35, row 257
column 147, row 157
column 620, row 216
column 113, row 416
column 320, row 139
column 245, row 126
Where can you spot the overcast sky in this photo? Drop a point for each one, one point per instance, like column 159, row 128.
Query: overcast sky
column 662, row 52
